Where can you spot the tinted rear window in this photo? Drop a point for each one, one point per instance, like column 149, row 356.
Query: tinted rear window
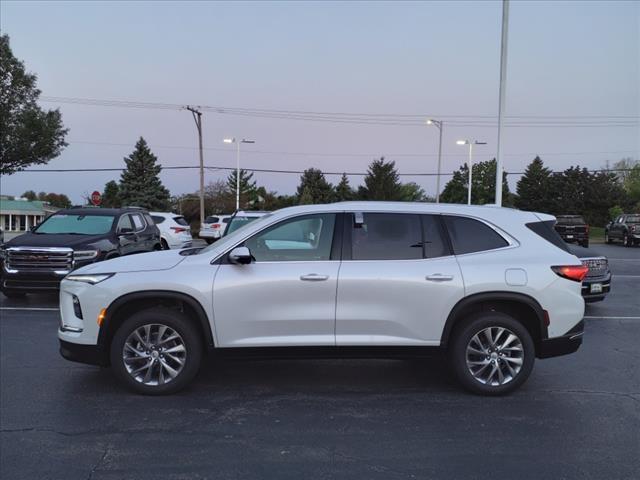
column 211, row 220
column 180, row 221
column 157, row 220
column 469, row 235
column 571, row 220
column 546, row 231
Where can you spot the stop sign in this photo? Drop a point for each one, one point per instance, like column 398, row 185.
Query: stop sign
column 96, row 198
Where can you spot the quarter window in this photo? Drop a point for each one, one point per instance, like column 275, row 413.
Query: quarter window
column 386, row 236
column 469, row 235
column 157, row 219
column 125, row 222
column 307, row 238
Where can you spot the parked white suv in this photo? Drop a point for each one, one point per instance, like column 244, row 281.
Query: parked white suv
column 213, row 227
column 175, row 231
column 494, row 287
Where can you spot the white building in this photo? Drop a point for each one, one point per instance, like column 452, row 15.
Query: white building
column 19, row 215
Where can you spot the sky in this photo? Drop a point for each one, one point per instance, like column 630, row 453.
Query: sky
column 429, row 59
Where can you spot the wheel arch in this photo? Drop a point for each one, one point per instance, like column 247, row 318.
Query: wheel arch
column 522, row 307
column 130, row 303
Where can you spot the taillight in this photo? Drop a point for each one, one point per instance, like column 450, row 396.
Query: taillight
column 215, row 225
column 178, row 229
column 571, row 272
column 587, row 228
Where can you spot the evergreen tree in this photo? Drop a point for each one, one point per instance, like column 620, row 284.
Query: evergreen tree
column 111, row 195
column 534, row 188
column 30, row 195
column 140, row 184
column 483, row 190
column 314, row 187
column 344, row 192
column 247, row 187
column 381, row 182
column 412, row 192
column 29, row 135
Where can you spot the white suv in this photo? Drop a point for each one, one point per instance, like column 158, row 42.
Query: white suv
column 175, row 231
column 493, row 287
column 213, row 227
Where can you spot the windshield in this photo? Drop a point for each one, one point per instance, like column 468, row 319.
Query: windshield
column 77, row 224
column 633, row 219
column 230, row 237
column 238, row 222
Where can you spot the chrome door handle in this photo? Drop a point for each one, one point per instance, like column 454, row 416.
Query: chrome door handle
column 314, row 277
column 438, row 277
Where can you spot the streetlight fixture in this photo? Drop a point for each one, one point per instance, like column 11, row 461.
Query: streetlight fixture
column 438, row 123
column 471, row 143
column 237, row 142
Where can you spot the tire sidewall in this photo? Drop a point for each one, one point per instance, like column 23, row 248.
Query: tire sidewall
column 173, row 319
column 472, row 326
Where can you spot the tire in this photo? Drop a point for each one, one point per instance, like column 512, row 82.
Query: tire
column 14, row 294
column 606, row 237
column 166, row 374
column 487, row 380
column 165, row 245
column 209, row 241
column 585, row 244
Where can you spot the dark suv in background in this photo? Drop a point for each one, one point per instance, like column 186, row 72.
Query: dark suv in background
column 69, row 239
column 625, row 228
column 573, row 228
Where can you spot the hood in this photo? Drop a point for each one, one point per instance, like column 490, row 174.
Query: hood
column 141, row 262
column 52, row 240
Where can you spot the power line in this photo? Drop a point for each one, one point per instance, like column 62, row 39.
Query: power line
column 389, row 119
column 339, row 154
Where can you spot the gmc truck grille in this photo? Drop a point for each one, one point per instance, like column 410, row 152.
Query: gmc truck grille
column 597, row 266
column 39, row 259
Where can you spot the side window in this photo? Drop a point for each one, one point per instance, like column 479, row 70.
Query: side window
column 157, row 219
column 306, row 238
column 469, row 235
column 125, row 222
column 620, row 219
column 433, row 237
column 387, row 236
column 211, row 220
column 138, row 222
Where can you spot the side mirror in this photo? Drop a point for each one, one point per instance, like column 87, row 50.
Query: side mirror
column 240, row 256
column 125, row 231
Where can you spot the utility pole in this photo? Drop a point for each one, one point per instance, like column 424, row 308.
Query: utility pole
column 501, row 98
column 197, row 117
column 439, row 124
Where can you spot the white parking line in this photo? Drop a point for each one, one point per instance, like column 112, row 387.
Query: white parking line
column 42, row 309
column 615, row 275
column 592, row 317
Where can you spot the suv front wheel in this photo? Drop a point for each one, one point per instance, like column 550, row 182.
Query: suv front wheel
column 492, row 354
column 156, row 351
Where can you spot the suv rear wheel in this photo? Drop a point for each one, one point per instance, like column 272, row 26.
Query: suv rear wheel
column 492, row 354
column 156, row 351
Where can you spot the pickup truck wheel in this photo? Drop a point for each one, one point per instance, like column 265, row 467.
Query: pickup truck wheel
column 492, row 354
column 156, row 352
column 606, row 237
column 626, row 240
column 165, row 245
column 585, row 244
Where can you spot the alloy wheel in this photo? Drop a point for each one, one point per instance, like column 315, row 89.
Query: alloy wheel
column 154, row 354
column 494, row 356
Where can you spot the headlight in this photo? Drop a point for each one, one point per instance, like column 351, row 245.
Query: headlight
column 82, row 255
column 89, row 278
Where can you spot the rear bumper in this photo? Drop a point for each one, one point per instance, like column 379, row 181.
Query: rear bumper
column 90, row 354
column 568, row 343
column 604, row 280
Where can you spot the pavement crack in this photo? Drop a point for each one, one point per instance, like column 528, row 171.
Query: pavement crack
column 632, row 396
column 99, row 462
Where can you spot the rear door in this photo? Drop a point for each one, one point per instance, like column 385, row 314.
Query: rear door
column 144, row 235
column 398, row 280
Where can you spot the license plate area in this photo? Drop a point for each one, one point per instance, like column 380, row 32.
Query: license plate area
column 596, row 288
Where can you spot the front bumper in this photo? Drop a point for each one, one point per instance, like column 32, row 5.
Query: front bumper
column 90, row 354
column 564, row 345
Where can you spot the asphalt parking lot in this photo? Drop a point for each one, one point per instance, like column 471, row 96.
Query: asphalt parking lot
column 577, row 417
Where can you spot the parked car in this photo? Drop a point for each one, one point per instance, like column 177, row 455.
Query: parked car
column 175, row 231
column 242, row 218
column 493, row 287
column 70, row 239
column 597, row 283
column 213, row 227
column 573, row 228
column 625, row 228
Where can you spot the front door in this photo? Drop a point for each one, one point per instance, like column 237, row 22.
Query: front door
column 287, row 296
column 398, row 283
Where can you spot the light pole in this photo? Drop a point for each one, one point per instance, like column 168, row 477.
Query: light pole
column 471, row 143
column 438, row 123
column 197, row 117
column 237, row 142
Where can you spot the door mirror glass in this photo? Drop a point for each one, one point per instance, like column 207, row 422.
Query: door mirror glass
column 240, row 256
